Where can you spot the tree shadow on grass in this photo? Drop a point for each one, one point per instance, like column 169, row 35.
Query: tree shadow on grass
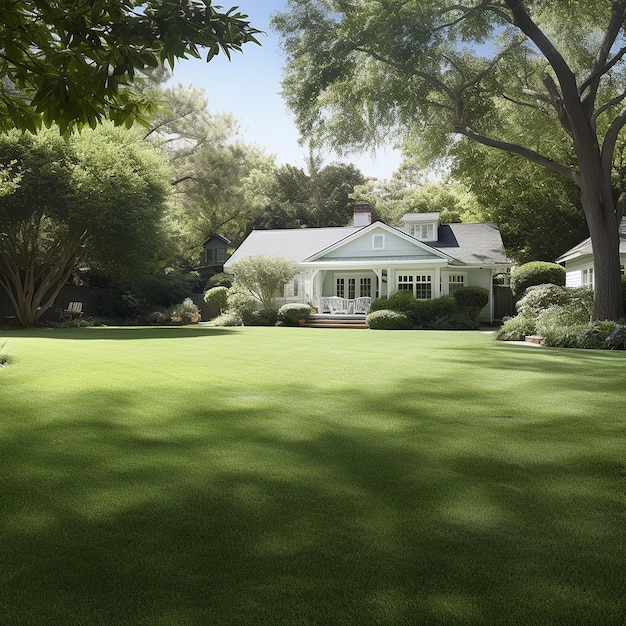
column 378, row 514
column 124, row 333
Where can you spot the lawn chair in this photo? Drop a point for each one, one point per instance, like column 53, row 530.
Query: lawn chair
column 362, row 305
column 74, row 310
column 337, row 305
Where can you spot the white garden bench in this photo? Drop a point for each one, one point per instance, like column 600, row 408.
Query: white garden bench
column 74, row 309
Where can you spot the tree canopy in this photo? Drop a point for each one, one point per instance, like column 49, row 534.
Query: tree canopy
column 433, row 72
column 73, row 63
column 96, row 200
column 321, row 198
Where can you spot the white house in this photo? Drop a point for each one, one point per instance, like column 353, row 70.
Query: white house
column 578, row 261
column 355, row 264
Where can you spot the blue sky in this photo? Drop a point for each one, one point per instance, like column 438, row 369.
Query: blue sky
column 249, row 87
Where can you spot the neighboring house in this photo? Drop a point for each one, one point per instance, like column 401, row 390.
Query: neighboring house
column 578, row 261
column 214, row 252
column 369, row 260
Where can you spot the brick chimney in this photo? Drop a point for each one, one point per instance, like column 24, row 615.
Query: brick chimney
column 362, row 214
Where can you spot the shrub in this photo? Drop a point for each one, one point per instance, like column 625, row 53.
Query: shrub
column 186, row 310
column 218, row 297
column 515, row 328
column 262, row 317
column 616, row 340
column 291, row 314
column 624, row 289
column 471, row 300
column 431, row 313
column 232, row 318
column 536, row 273
column 240, row 301
column 564, row 336
column 577, row 301
column 385, row 319
column 399, row 301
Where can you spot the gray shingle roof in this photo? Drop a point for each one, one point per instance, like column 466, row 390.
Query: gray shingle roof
column 470, row 244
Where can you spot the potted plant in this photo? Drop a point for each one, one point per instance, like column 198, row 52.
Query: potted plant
column 186, row 312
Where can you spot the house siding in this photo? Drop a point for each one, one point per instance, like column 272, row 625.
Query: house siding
column 395, row 248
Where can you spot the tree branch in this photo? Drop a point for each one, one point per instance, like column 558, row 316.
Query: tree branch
column 513, row 148
column 601, row 66
column 610, row 140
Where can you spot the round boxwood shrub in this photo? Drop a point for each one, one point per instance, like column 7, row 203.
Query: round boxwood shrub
column 218, row 297
column 385, row 319
column 290, row 314
column 471, row 300
column 536, row 273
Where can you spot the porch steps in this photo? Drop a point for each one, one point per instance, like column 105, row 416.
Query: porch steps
column 325, row 320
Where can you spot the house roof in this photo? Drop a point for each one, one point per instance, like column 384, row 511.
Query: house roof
column 216, row 236
column 584, row 248
column 466, row 244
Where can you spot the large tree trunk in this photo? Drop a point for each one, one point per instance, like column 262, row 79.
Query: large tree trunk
column 603, row 220
column 32, row 289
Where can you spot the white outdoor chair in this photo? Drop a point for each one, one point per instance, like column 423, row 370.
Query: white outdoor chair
column 74, row 309
column 362, row 305
column 337, row 305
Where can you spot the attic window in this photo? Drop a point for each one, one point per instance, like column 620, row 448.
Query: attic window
column 378, row 242
column 425, row 232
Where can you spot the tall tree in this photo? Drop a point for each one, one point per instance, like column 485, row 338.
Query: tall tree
column 321, row 198
column 221, row 182
column 361, row 72
column 97, row 199
column 73, row 63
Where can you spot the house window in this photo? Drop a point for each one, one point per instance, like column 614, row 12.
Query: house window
column 423, row 287
column 351, row 288
column 405, row 283
column 215, row 256
column 423, row 231
column 378, row 242
column 365, row 287
column 587, row 278
column 340, row 287
column 454, row 282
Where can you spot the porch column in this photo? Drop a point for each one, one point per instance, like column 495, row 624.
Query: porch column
column 436, row 292
column 391, row 281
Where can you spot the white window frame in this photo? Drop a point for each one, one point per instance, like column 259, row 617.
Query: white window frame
column 423, row 232
column 378, row 242
column 415, row 283
column 447, row 281
column 587, row 277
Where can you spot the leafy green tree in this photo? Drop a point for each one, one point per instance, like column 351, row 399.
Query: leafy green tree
column 73, row 63
column 538, row 211
column 400, row 194
column 94, row 201
column 321, row 198
column 264, row 277
column 221, row 182
column 440, row 71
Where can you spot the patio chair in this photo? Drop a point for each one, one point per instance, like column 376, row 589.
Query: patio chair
column 362, row 305
column 74, row 309
column 337, row 305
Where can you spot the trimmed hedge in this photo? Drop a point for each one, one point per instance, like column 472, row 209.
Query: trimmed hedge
column 290, row 314
column 536, row 273
column 385, row 319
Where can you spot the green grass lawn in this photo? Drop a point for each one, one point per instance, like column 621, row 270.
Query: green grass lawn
column 193, row 476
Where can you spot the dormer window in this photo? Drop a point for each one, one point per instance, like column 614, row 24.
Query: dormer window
column 422, row 226
column 425, row 232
